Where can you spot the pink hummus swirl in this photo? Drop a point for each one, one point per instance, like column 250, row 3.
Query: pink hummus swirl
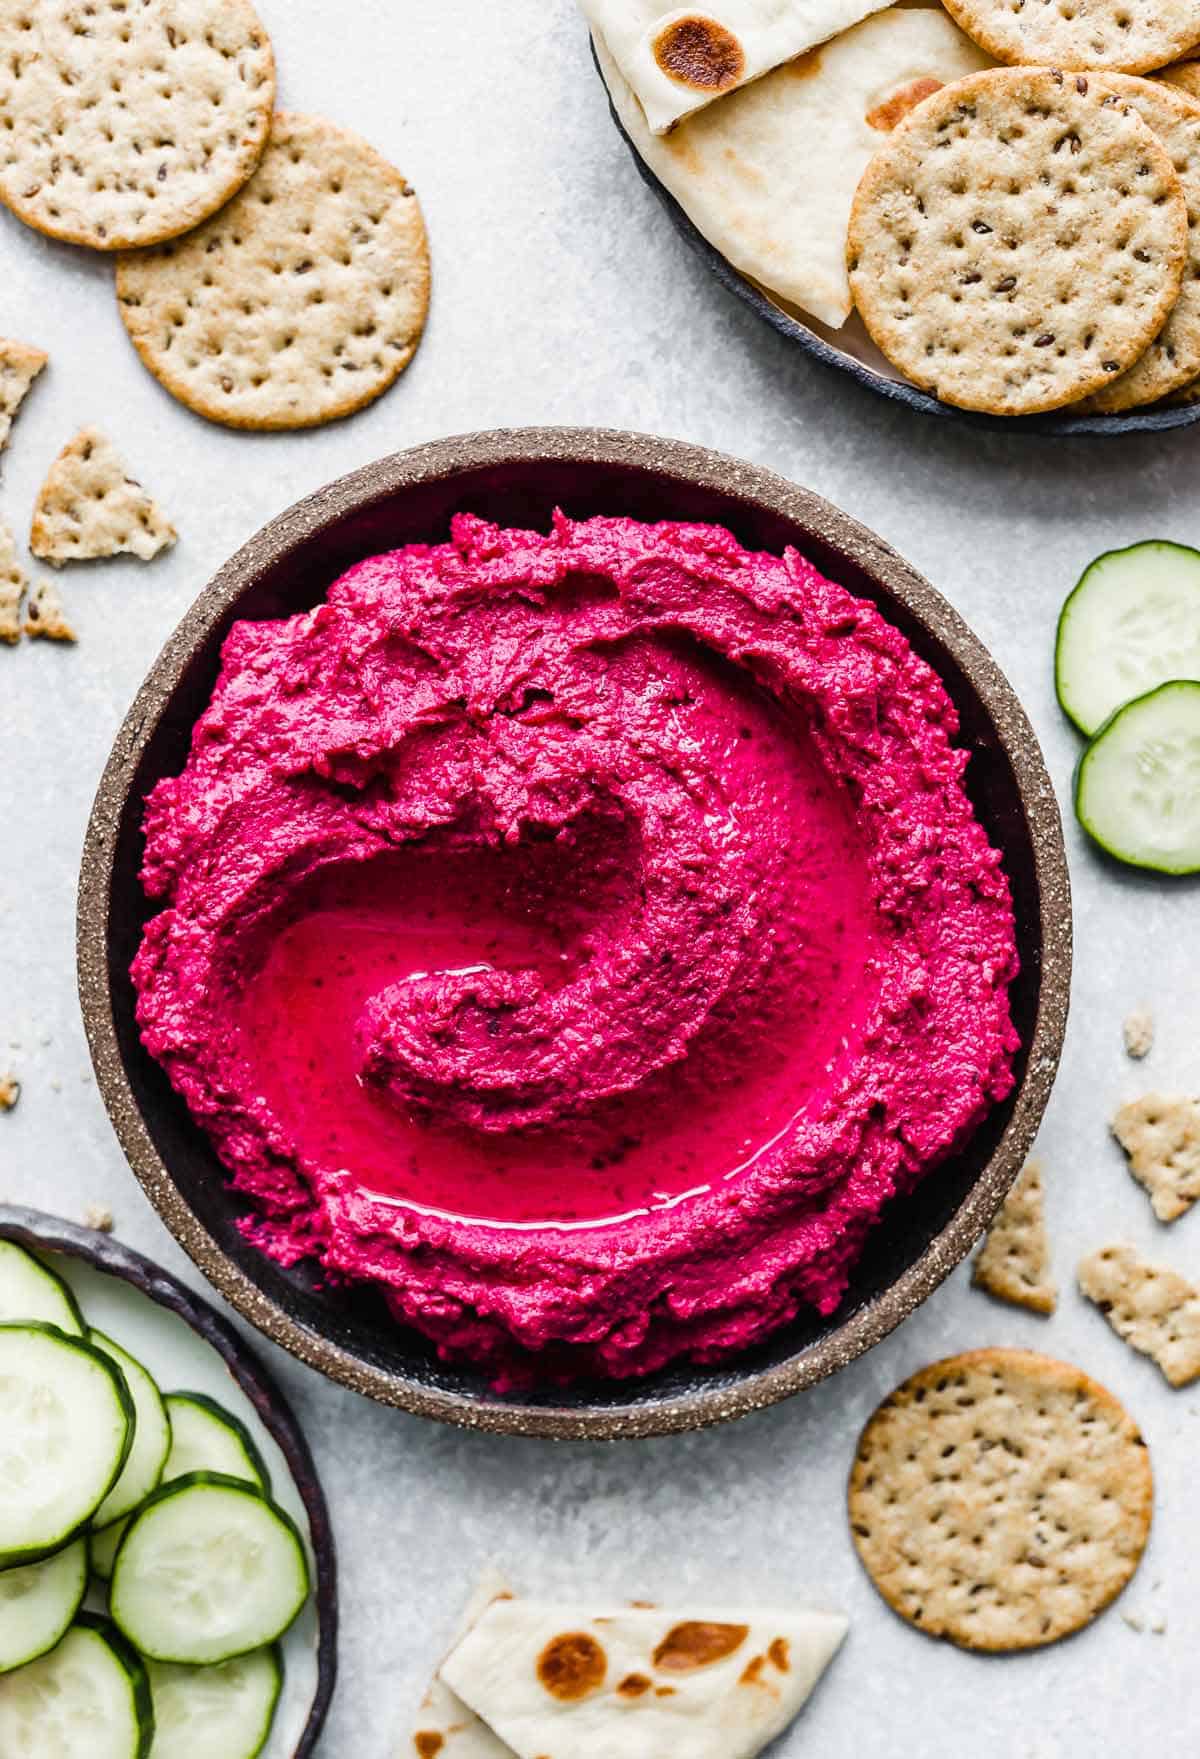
column 580, row 937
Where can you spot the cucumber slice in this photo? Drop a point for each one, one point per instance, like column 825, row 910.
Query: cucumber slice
column 88, row 1699
column 205, row 1437
column 66, row 1424
column 1137, row 789
column 37, row 1604
column 1131, row 623
column 227, row 1710
column 209, row 1569
column 28, row 1290
column 151, row 1437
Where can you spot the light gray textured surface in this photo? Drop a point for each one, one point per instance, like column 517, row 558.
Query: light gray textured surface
column 560, row 295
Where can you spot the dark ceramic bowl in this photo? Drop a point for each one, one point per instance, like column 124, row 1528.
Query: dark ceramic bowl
column 850, row 350
column 52, row 1238
column 518, row 478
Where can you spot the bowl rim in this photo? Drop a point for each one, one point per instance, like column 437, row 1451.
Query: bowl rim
column 1052, row 425
column 39, row 1231
column 701, row 468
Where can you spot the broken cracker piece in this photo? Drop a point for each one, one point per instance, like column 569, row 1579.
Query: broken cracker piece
column 89, row 506
column 1161, row 1136
column 1138, row 1033
column 10, row 1092
column 19, row 367
column 1014, row 1261
column 45, row 617
column 1149, row 1305
column 13, row 582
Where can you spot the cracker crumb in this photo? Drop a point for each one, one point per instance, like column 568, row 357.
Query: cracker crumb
column 1134, row 1621
column 1159, row 1626
column 1014, row 1261
column 1138, row 1032
column 1161, row 1136
column 10, row 1092
column 1151, row 1306
column 99, row 1217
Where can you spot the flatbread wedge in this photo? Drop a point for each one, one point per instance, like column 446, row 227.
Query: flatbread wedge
column 575, row 1682
column 679, row 58
column 445, row 1728
column 768, row 175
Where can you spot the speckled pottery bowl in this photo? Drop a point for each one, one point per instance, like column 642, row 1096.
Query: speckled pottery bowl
column 850, row 350
column 518, row 478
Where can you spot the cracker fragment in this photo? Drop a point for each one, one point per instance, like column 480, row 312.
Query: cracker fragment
column 19, row 367
column 127, row 123
column 1000, row 1499
column 1161, row 1136
column 45, row 615
column 1133, row 36
column 1019, row 242
column 10, row 1092
column 1137, row 1030
column 301, row 301
column 1014, row 1262
column 1151, row 1306
column 1172, row 360
column 13, row 582
column 89, row 506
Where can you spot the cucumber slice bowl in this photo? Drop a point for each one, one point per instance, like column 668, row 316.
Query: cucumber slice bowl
column 1137, row 788
column 88, row 1699
column 38, row 1603
column 1131, row 623
column 66, row 1424
column 29, row 1291
column 209, row 1569
column 221, row 1712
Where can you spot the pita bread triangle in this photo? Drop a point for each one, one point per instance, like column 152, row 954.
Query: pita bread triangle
column 90, row 506
column 445, row 1728
column 571, row 1682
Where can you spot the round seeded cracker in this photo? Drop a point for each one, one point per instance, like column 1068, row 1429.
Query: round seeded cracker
column 124, row 122
column 1018, row 242
column 1132, row 36
column 1000, row 1499
column 301, row 301
column 1173, row 358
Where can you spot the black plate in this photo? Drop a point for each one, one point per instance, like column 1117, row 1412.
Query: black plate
column 1135, row 421
column 49, row 1235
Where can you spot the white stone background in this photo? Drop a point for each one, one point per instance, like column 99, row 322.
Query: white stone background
column 561, row 295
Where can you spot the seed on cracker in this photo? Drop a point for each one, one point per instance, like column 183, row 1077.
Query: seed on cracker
column 1149, row 1305
column 13, row 582
column 1137, row 1030
column 45, row 615
column 1131, row 35
column 1019, row 242
column 90, row 506
column 19, row 367
column 1161, row 1136
column 301, row 301
column 10, row 1092
column 1000, row 1499
column 126, row 124
column 1173, row 358
column 1014, row 1261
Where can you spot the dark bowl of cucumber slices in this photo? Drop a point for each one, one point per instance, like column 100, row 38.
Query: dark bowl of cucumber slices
column 1127, row 672
column 166, row 1562
column 518, row 478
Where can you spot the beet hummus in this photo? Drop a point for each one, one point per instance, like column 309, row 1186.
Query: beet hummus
column 578, row 937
